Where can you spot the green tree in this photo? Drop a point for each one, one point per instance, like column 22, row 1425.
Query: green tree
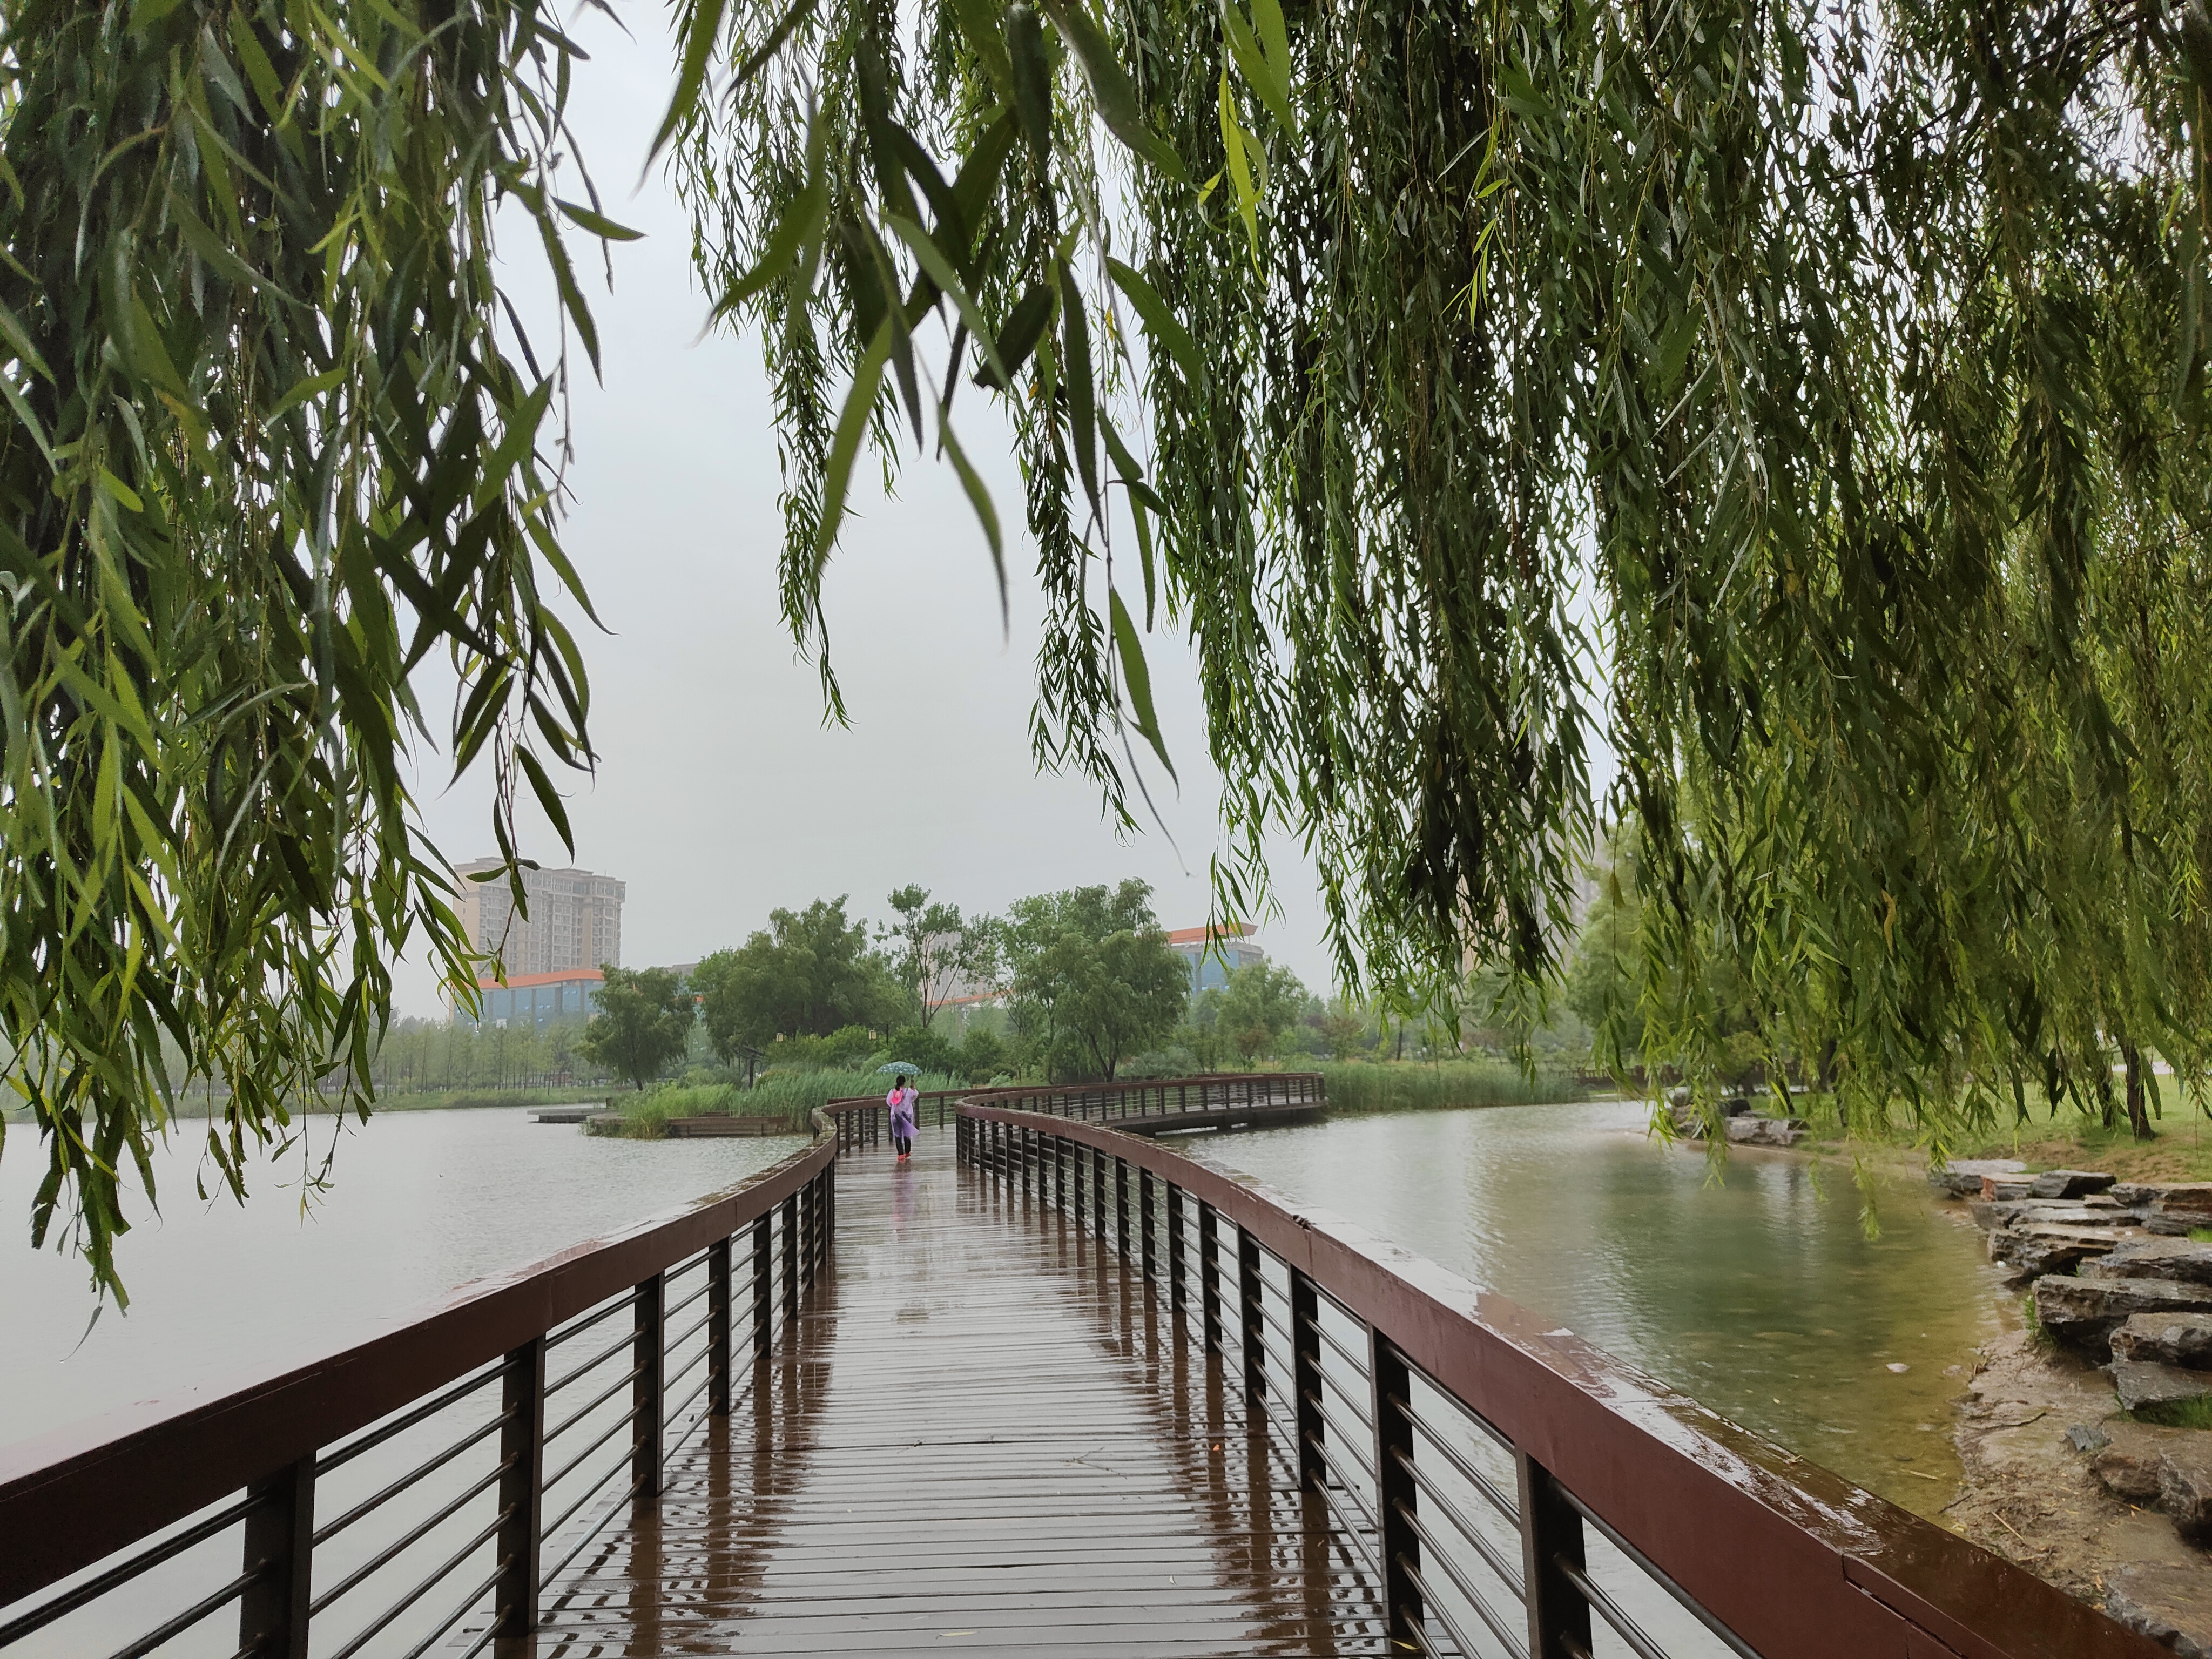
column 811, row 973
column 1093, row 978
column 644, row 1020
column 1259, row 1002
column 935, row 952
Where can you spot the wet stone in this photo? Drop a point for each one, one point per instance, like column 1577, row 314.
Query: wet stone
column 2178, row 1259
column 2070, row 1183
column 2184, row 1482
column 2088, row 1438
column 2037, row 1248
column 2144, row 1383
column 2186, row 1199
column 2078, row 1213
column 2085, row 1312
column 2127, row 1463
column 2168, row 1604
column 1765, row 1131
column 2169, row 1339
column 2001, row 1186
column 1962, row 1177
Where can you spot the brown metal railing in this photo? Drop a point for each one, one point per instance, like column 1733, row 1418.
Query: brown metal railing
column 1512, row 1489
column 425, row 1488
column 1225, row 1094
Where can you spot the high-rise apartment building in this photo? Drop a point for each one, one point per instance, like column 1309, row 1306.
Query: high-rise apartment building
column 574, row 920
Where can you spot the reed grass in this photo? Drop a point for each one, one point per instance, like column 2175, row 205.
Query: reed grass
column 1360, row 1087
column 790, row 1096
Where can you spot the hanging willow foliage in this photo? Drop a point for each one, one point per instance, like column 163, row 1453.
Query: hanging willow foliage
column 1845, row 360
column 1843, row 364
column 262, row 455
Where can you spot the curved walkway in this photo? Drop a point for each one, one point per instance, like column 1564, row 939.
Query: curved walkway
column 984, row 1432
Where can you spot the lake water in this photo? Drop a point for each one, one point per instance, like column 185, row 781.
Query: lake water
column 1758, row 1293
column 421, row 1202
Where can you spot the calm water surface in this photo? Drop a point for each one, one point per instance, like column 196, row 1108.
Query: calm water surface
column 1758, row 1294
column 421, row 1201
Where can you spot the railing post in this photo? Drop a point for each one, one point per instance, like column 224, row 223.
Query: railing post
column 521, row 1490
column 1027, row 1150
column 1059, row 1172
column 1551, row 1542
column 1080, row 1156
column 1305, row 1380
column 1098, row 1209
column 1145, row 1220
column 1395, row 1493
column 1174, row 1252
column 1209, row 1275
column 791, row 1257
column 1255, row 1337
column 280, row 1548
column 1122, row 1206
column 717, row 1328
column 805, row 1252
column 649, row 1392
column 764, row 1296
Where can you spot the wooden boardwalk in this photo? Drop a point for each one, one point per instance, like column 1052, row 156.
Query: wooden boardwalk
column 983, row 1433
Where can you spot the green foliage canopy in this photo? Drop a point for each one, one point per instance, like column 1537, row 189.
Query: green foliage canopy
column 263, row 452
column 645, row 1018
column 1258, row 1003
column 1093, row 979
column 935, row 951
column 811, row 973
column 1851, row 357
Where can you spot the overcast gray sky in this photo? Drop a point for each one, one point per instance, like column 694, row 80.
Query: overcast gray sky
column 721, row 794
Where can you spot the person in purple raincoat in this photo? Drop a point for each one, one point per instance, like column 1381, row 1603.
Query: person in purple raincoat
column 900, row 1100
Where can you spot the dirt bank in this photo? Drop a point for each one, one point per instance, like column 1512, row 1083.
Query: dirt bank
column 2029, row 1495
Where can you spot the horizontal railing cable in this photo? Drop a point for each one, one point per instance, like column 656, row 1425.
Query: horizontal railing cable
column 1469, row 1592
column 587, row 1408
column 205, row 1608
column 584, row 1322
column 1509, row 1571
column 430, row 1465
column 124, row 1572
column 1645, row 1564
column 1432, row 1607
column 346, row 1452
column 405, row 1542
column 422, row 1588
column 1466, row 1471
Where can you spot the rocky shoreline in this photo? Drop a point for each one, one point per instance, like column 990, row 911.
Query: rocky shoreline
column 2077, row 1435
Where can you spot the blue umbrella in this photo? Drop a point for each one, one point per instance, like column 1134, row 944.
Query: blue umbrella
column 901, row 1067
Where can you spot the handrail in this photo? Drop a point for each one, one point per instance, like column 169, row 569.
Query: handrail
column 1793, row 1560
column 72, row 1496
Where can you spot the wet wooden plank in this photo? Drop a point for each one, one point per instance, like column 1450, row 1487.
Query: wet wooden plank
column 982, row 1433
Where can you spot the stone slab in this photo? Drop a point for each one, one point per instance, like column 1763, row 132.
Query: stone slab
column 2184, row 1482
column 2143, row 1383
column 2127, row 1463
column 2084, row 1312
column 2179, row 1259
column 2040, row 1247
column 2070, row 1183
column 2169, row 1604
column 2170, row 1339
column 1962, row 1177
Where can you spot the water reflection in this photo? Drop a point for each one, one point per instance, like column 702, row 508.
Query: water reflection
column 1759, row 1294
